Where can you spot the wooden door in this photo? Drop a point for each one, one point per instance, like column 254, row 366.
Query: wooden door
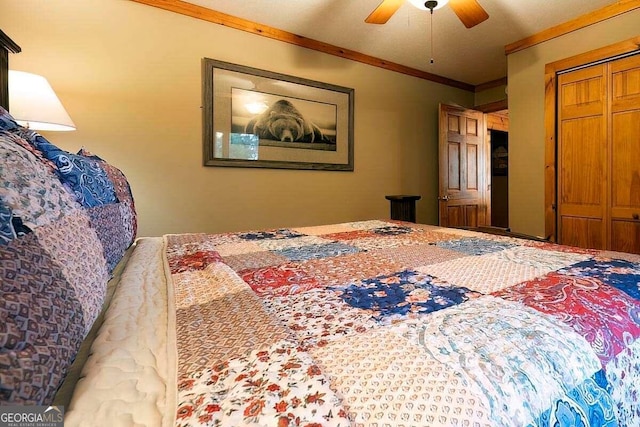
column 582, row 158
column 625, row 155
column 462, row 167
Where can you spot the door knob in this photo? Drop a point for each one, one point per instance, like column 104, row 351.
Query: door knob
column 445, row 198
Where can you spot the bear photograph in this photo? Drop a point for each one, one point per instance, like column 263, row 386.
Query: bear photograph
column 261, row 119
column 284, row 121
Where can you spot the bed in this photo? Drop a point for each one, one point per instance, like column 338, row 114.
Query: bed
column 365, row 323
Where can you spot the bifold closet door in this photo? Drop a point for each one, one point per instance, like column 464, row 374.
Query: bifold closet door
column 582, row 158
column 625, row 154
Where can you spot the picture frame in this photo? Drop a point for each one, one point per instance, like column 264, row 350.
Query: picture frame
column 261, row 119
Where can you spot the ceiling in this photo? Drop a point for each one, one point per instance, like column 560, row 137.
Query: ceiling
column 472, row 56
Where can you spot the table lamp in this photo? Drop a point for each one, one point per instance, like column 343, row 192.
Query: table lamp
column 34, row 104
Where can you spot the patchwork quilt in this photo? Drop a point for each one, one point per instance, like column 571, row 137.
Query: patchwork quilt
column 384, row 323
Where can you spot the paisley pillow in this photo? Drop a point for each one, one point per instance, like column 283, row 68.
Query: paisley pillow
column 123, row 193
column 84, row 176
column 118, row 179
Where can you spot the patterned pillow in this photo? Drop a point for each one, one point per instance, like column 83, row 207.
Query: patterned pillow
column 123, row 192
column 84, row 176
column 6, row 121
column 28, row 187
column 22, row 136
column 43, row 323
column 118, row 179
column 109, row 225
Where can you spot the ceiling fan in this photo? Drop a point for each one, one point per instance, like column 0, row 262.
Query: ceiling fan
column 469, row 11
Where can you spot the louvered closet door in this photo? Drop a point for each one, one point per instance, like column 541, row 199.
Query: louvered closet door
column 582, row 158
column 625, row 154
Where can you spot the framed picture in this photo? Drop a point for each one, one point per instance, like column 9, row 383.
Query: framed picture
column 257, row 118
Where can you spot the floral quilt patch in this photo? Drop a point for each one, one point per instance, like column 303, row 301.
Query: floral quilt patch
column 408, row 292
column 193, row 261
column 277, row 386
column 285, row 279
column 317, row 317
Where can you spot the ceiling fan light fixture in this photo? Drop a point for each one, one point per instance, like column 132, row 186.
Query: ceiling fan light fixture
column 421, row 4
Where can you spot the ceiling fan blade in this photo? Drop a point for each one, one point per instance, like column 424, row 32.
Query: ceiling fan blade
column 384, row 11
column 469, row 11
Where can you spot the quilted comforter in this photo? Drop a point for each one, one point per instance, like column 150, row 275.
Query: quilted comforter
column 373, row 323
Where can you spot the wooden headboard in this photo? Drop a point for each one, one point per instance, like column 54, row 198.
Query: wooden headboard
column 6, row 45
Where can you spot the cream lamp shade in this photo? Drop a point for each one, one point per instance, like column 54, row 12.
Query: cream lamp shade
column 34, row 104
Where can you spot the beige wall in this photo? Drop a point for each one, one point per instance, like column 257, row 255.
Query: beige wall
column 526, row 113
column 130, row 77
column 490, row 95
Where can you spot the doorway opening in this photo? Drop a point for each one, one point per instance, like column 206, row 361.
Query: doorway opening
column 499, row 167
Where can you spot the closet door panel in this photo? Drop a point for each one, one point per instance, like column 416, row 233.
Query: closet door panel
column 582, row 158
column 625, row 84
column 582, row 232
column 625, row 236
column 583, row 167
column 625, row 155
column 625, row 165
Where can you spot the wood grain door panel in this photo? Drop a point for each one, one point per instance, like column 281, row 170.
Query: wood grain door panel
column 625, row 84
column 471, row 215
column 583, row 161
column 582, row 93
column 625, row 165
column 625, row 155
column 463, row 215
column 582, row 158
column 473, row 162
column 454, row 161
column 462, row 167
column 625, row 236
column 582, row 232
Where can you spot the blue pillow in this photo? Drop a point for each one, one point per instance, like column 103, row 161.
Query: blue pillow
column 6, row 121
column 84, row 176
